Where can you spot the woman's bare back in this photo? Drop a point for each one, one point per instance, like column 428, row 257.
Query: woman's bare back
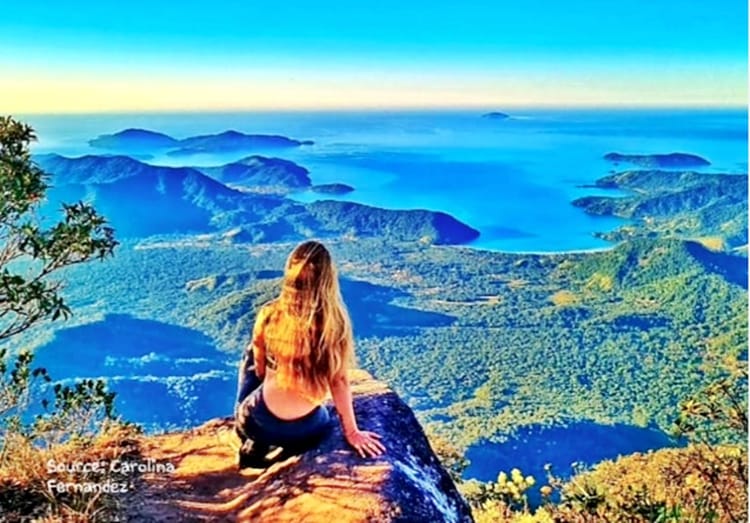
column 286, row 404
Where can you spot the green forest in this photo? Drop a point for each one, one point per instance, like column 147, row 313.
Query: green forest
column 479, row 343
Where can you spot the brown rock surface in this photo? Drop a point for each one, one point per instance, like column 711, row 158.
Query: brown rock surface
column 328, row 484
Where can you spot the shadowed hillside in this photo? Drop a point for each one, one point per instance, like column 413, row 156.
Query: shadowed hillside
column 145, row 359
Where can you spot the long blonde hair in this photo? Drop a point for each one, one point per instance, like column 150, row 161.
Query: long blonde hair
column 308, row 326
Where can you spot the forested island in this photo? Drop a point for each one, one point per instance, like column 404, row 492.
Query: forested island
column 671, row 160
column 227, row 141
column 502, row 340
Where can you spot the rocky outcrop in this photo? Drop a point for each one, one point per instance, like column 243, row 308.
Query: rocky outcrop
column 330, row 483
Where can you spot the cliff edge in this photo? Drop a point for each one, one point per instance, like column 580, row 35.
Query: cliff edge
column 330, row 483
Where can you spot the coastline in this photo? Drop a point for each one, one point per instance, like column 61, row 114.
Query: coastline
column 542, row 253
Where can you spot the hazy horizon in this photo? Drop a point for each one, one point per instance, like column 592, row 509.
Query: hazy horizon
column 90, row 57
column 506, row 108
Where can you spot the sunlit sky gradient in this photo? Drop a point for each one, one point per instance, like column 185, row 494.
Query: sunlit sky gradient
column 160, row 55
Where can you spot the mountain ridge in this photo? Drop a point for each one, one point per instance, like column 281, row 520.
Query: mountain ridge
column 141, row 199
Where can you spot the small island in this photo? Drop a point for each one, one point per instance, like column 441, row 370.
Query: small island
column 496, row 115
column 658, row 160
column 332, row 188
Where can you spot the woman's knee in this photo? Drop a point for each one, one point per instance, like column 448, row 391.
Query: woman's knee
column 244, row 423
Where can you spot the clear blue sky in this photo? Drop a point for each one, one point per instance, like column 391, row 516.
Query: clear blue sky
column 159, row 54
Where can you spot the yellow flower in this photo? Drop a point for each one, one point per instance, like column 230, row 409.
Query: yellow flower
column 502, row 477
column 734, row 452
column 530, row 481
column 546, row 490
column 692, row 481
column 517, row 476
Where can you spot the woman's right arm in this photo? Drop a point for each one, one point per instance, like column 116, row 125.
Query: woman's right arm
column 253, row 363
column 363, row 441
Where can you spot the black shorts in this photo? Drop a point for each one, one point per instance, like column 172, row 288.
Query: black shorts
column 256, row 422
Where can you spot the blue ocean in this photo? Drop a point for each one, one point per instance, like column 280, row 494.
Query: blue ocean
column 511, row 179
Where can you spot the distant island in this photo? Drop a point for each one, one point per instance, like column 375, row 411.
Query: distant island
column 228, row 141
column 138, row 139
column 496, row 115
column 332, row 188
column 658, row 160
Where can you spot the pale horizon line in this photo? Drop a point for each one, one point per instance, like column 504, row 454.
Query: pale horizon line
column 625, row 106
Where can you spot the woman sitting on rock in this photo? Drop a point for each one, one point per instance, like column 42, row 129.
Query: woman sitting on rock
column 302, row 345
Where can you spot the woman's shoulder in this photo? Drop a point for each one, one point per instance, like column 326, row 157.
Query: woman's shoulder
column 266, row 309
column 262, row 317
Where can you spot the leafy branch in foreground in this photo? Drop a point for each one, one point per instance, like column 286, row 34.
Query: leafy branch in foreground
column 31, row 252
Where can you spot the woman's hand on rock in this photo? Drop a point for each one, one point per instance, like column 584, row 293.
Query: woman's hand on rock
column 365, row 442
